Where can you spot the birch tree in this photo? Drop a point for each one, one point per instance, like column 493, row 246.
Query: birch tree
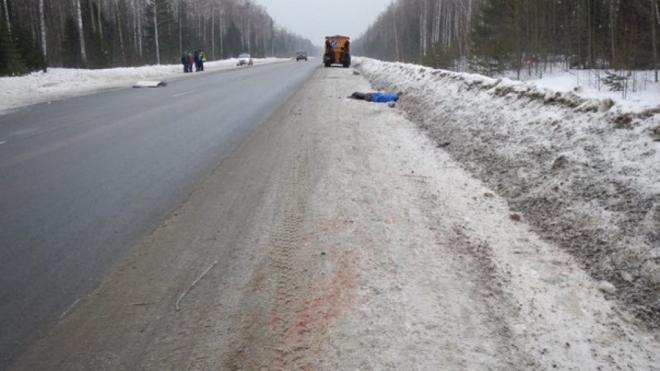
column 79, row 25
column 655, row 22
column 7, row 19
column 120, row 32
column 42, row 27
column 497, row 35
column 102, row 33
column 423, row 26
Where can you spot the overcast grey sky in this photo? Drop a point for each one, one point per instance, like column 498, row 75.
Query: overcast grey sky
column 315, row 19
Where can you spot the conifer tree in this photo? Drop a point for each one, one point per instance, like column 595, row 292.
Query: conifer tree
column 11, row 61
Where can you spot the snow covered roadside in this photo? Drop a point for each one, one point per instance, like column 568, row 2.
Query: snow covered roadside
column 584, row 171
column 61, row 83
column 641, row 92
column 450, row 279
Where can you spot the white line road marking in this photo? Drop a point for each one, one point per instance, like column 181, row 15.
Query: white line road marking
column 2, row 142
column 178, row 95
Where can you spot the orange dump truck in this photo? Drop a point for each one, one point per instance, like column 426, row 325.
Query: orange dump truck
column 337, row 51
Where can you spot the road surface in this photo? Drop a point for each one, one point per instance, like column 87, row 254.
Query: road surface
column 83, row 178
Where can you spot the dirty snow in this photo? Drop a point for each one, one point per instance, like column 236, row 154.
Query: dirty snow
column 583, row 170
column 450, row 278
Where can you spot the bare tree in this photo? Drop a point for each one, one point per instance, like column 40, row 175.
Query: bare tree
column 155, row 5
column 79, row 25
column 42, row 27
column 120, row 32
column 655, row 19
column 423, row 27
column 7, row 19
column 100, row 19
column 213, row 30
column 102, row 33
column 396, row 34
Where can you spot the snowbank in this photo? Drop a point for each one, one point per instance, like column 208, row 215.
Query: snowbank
column 583, row 170
column 60, row 83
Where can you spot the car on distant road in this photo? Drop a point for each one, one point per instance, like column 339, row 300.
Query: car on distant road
column 301, row 54
column 244, row 59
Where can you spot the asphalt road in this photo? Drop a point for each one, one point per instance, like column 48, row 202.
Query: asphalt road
column 82, row 179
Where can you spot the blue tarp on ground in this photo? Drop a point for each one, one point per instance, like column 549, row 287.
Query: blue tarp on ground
column 383, row 97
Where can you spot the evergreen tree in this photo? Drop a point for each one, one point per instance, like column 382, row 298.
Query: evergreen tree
column 168, row 32
column 233, row 46
column 98, row 51
column 30, row 52
column 71, row 45
column 11, row 61
column 496, row 36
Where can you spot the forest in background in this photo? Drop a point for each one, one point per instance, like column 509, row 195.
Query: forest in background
column 523, row 36
column 93, row 34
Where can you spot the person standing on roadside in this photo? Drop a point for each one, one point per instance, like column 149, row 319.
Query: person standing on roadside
column 202, row 59
column 191, row 60
column 196, row 60
column 184, row 61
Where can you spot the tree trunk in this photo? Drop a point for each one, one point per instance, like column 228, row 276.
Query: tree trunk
column 42, row 26
column 396, row 37
column 613, row 13
column 591, row 31
column 79, row 23
column 180, row 29
column 133, row 26
column 423, row 27
column 121, row 34
column 7, row 17
column 156, row 32
column 579, row 38
column 138, row 16
column 222, row 34
column 91, row 16
column 100, row 20
column 655, row 18
column 249, row 36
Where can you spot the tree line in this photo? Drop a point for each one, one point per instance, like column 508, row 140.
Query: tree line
column 491, row 36
column 35, row 34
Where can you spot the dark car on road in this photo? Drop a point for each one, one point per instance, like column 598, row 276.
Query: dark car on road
column 301, row 54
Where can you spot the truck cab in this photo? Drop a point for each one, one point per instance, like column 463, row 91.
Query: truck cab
column 337, row 51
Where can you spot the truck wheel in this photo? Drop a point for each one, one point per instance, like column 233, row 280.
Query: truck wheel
column 327, row 64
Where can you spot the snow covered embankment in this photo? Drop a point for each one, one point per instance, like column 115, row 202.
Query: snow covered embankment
column 584, row 172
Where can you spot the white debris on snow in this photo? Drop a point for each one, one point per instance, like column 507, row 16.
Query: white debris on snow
column 607, row 287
